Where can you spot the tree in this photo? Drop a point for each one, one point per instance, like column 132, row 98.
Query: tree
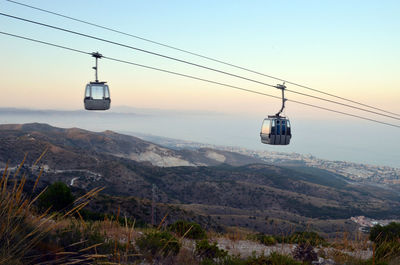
column 58, row 196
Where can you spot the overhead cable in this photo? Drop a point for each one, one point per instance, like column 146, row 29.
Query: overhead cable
column 191, row 63
column 202, row 56
column 200, row 79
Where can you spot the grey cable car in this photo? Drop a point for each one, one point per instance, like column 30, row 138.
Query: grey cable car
column 276, row 129
column 97, row 94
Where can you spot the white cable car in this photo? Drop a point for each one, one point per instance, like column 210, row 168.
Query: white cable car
column 97, row 94
column 276, row 129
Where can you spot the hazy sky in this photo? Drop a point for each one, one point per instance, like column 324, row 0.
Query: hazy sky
column 349, row 48
column 345, row 47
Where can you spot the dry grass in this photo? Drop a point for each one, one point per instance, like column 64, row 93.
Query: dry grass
column 23, row 229
column 23, row 233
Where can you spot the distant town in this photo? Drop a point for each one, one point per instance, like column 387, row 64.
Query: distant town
column 354, row 171
column 366, row 223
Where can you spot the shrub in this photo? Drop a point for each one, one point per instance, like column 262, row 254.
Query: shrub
column 305, row 252
column 206, row 251
column 58, row 196
column 188, row 229
column 89, row 234
column 92, row 238
column 265, row 239
column 387, row 240
column 310, row 238
column 386, row 233
column 158, row 243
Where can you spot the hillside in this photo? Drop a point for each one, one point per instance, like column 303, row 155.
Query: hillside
column 111, row 143
column 232, row 189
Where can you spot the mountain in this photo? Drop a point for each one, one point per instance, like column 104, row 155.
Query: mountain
column 108, row 142
column 232, row 189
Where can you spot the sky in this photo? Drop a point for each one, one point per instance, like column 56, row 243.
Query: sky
column 347, row 48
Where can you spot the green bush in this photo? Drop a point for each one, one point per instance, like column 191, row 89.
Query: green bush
column 387, row 240
column 89, row 234
column 206, row 251
column 189, row 229
column 91, row 216
column 311, row 238
column 158, row 243
column 265, row 239
column 58, row 196
column 390, row 232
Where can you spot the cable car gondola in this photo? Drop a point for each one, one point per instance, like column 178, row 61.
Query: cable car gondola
column 97, row 94
column 276, row 129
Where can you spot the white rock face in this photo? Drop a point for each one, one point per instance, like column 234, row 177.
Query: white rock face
column 159, row 160
column 160, row 157
column 216, row 156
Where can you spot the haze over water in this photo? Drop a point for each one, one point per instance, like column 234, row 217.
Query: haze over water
column 345, row 140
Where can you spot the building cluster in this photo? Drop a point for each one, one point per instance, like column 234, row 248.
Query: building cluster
column 353, row 171
column 366, row 223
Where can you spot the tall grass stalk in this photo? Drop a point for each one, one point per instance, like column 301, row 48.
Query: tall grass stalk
column 22, row 228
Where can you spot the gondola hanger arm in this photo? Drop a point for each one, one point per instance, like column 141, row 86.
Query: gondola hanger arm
column 281, row 87
column 97, row 56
